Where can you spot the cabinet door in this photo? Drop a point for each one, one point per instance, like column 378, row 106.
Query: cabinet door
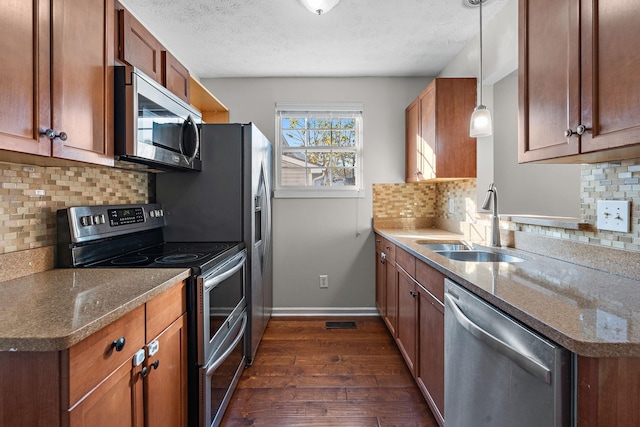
column 549, row 78
column 427, row 147
column 115, row 402
column 381, row 278
column 407, row 318
column 138, row 47
column 413, row 167
column 175, row 76
column 610, row 76
column 82, row 79
column 430, row 369
column 25, row 76
column 392, row 298
column 166, row 385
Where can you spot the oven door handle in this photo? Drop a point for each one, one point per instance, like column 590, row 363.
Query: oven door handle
column 233, row 265
column 215, row 365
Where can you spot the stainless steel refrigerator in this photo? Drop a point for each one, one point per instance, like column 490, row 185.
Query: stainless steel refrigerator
column 228, row 201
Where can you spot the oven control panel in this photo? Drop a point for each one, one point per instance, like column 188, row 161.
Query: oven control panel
column 87, row 223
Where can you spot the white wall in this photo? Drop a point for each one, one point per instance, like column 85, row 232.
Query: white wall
column 523, row 189
column 536, row 189
column 327, row 236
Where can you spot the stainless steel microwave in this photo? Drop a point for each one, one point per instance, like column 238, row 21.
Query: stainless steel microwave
column 152, row 126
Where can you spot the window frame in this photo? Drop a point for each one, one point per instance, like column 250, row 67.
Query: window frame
column 319, row 110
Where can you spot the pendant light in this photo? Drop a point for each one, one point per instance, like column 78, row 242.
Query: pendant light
column 480, row 124
column 319, row 6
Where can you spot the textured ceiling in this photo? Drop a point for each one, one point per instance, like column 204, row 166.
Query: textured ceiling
column 280, row 38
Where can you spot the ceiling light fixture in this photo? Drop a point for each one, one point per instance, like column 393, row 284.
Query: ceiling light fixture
column 480, row 124
column 319, row 7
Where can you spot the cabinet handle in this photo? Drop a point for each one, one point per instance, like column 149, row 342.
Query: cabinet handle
column 580, row 130
column 51, row 134
column 118, row 344
column 147, row 370
column 383, row 258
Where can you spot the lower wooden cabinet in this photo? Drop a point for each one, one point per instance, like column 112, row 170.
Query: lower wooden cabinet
column 430, row 365
column 96, row 382
column 406, row 335
column 386, row 288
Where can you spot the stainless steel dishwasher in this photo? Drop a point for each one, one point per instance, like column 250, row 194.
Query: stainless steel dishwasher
column 499, row 373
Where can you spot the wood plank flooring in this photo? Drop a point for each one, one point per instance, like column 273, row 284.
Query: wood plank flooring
column 307, row 375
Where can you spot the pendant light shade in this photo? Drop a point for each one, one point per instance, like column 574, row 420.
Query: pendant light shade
column 319, row 6
column 480, row 124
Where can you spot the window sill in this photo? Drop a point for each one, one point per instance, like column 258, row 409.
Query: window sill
column 318, row 194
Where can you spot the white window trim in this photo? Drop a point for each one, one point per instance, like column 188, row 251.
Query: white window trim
column 317, row 192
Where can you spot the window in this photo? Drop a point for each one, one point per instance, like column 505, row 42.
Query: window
column 318, row 150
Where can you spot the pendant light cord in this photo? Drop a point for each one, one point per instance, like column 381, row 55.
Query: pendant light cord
column 481, row 1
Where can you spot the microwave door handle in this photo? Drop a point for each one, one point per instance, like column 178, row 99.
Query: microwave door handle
column 189, row 125
column 215, row 365
column 530, row 365
column 216, row 279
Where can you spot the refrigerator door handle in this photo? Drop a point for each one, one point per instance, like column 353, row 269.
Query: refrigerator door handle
column 530, row 365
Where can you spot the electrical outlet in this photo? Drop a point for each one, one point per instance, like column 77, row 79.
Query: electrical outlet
column 324, row 281
column 452, row 206
column 613, row 215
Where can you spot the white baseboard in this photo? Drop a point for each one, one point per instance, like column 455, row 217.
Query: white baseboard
column 324, row 311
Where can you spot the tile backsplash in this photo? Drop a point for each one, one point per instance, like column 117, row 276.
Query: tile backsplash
column 31, row 195
column 610, row 181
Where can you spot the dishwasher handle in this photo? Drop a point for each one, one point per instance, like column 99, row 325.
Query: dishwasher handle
column 530, row 365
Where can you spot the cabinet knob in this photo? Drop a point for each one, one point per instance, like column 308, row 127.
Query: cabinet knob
column 51, row 134
column 413, row 293
column 580, row 130
column 383, row 257
column 118, row 344
column 147, row 369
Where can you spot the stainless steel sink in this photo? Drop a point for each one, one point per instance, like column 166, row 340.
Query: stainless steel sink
column 445, row 246
column 479, row 256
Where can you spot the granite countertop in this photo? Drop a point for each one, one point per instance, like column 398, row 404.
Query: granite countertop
column 52, row 310
column 590, row 312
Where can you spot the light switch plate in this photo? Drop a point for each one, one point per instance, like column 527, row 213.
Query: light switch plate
column 613, row 215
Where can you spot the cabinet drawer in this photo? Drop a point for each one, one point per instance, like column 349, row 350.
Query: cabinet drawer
column 407, row 261
column 164, row 309
column 94, row 358
column 431, row 279
column 389, row 249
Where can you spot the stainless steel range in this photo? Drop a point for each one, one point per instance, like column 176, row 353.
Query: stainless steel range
column 131, row 236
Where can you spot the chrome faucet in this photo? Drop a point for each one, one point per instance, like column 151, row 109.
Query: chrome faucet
column 492, row 198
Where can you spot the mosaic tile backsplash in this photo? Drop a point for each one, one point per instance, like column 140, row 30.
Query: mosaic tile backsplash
column 608, row 181
column 31, row 195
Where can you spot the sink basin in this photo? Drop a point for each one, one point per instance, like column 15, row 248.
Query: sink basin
column 445, row 246
column 479, row 256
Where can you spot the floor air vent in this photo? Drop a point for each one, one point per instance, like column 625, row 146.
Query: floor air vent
column 340, row 325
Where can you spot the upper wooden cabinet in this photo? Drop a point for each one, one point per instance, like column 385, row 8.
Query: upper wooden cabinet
column 438, row 145
column 82, row 89
column 138, row 47
column 579, row 86
column 57, row 77
column 176, row 76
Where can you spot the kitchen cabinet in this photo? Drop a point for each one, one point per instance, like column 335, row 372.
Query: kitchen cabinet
column 386, row 289
column 419, row 327
column 96, row 383
column 579, row 89
column 406, row 334
column 139, row 48
column 438, row 145
column 56, row 92
column 430, row 368
column 176, row 76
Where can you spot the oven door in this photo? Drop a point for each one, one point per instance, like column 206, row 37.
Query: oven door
column 221, row 301
column 218, row 379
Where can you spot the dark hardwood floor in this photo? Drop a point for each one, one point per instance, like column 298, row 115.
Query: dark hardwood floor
column 307, row 375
